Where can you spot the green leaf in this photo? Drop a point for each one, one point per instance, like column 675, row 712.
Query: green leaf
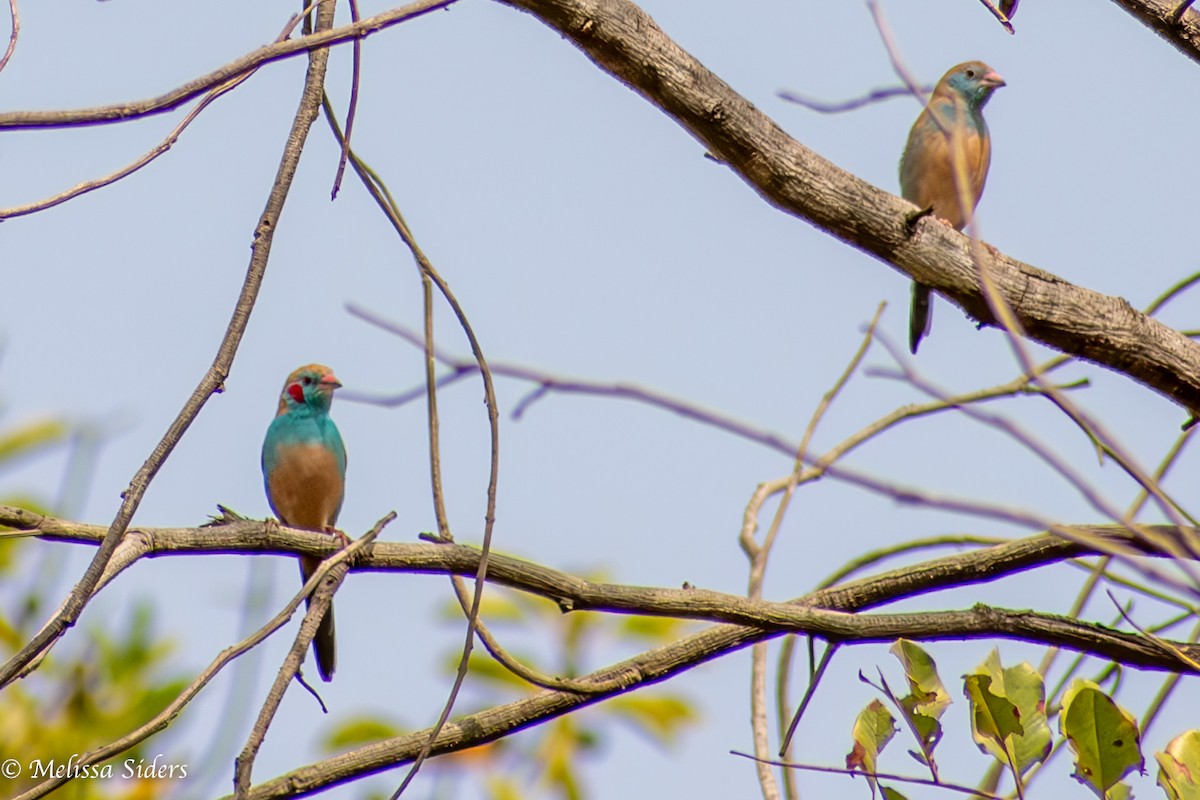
column 929, row 694
column 487, row 669
column 1179, row 767
column 993, row 718
column 1122, row 791
column 1022, row 686
column 653, row 629
column 493, row 607
column 1103, row 736
column 662, row 716
column 358, row 731
column 32, row 437
column 873, row 729
column 891, row 794
column 502, row 787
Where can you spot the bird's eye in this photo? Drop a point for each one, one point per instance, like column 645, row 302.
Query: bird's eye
column 970, row 73
column 307, row 381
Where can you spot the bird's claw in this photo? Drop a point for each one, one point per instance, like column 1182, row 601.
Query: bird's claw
column 342, row 538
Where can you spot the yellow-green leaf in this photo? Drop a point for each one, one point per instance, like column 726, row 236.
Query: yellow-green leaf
column 31, row 437
column 873, row 729
column 993, row 718
column 662, row 716
column 1023, row 687
column 1179, row 767
column 929, row 694
column 1103, row 736
column 359, row 731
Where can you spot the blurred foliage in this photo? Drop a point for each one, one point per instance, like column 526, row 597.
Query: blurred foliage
column 547, row 760
column 95, row 687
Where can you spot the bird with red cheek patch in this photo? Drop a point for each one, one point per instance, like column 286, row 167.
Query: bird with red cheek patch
column 952, row 121
column 304, row 467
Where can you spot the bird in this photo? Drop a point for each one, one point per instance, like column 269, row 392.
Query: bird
column 304, row 469
column 954, row 114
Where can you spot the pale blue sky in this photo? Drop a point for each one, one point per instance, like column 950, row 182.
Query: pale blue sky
column 585, row 234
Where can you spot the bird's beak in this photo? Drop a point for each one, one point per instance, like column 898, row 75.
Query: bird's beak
column 992, row 79
column 330, row 381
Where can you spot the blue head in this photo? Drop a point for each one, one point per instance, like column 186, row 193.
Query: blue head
column 308, row 389
column 974, row 81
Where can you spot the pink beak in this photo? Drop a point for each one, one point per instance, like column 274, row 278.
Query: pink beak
column 992, row 79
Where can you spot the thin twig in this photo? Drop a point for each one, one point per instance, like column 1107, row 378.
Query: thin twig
column 823, row 107
column 123, row 112
column 383, row 198
column 306, row 114
column 525, row 672
column 161, row 148
column 12, row 37
column 323, row 584
column 887, row 776
column 1000, row 16
column 1166, row 646
column 760, row 554
column 352, row 107
column 813, row 681
column 822, row 465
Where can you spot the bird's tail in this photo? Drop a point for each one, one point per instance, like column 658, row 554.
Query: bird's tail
column 324, row 643
column 920, row 319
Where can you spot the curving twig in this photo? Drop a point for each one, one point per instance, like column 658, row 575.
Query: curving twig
column 124, row 112
column 12, row 37
column 161, row 148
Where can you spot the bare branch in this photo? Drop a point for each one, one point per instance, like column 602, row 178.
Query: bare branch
column 12, row 37
column 873, row 96
column 122, row 112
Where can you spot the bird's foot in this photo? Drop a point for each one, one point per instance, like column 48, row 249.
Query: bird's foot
column 342, row 538
column 911, row 220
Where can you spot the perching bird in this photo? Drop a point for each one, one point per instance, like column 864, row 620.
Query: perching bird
column 926, row 168
column 304, row 467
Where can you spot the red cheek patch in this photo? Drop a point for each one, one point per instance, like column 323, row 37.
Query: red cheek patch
column 296, row 392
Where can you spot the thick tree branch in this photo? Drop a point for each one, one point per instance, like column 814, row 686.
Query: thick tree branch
column 253, row 537
column 623, row 40
column 805, row 614
column 1159, row 16
column 824, row 614
column 645, row 669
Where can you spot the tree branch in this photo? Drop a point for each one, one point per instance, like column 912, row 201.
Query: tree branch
column 824, row 613
column 122, row 112
column 1160, row 17
column 804, row 614
column 623, row 40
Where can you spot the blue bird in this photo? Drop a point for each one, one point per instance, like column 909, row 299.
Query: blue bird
column 926, row 168
column 304, row 468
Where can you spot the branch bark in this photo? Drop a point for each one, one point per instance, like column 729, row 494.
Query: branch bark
column 826, row 614
column 1159, row 16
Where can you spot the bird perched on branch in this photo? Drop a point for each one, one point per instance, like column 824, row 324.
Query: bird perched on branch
column 953, row 119
column 304, row 467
